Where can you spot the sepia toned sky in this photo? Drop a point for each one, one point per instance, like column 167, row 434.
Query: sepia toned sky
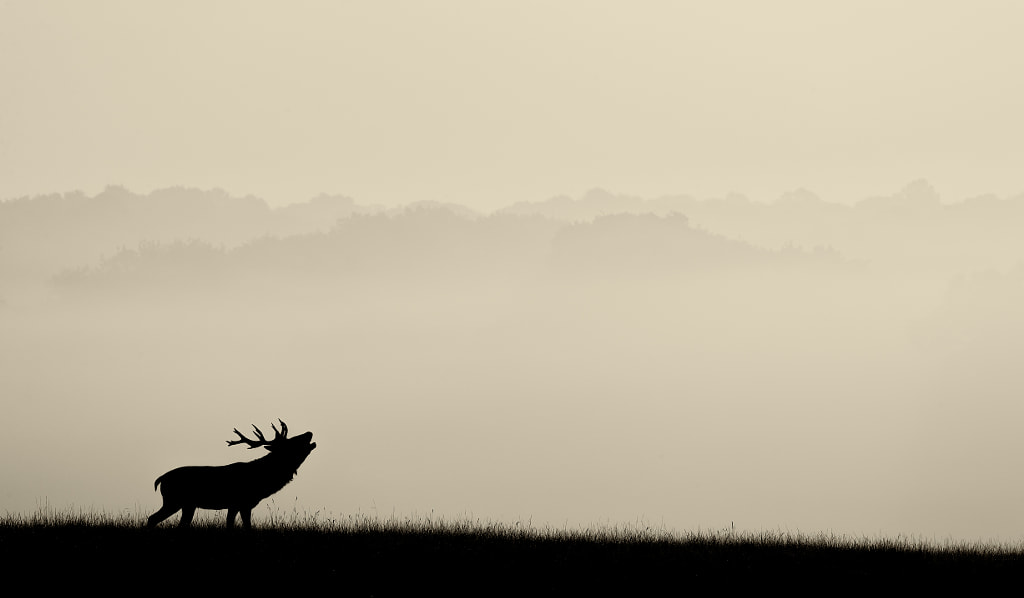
column 694, row 364
column 487, row 103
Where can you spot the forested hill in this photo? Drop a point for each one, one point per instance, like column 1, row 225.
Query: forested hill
column 118, row 234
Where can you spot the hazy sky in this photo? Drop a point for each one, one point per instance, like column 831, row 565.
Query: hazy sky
column 503, row 367
column 486, row 103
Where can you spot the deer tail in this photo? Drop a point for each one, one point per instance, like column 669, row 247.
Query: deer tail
column 156, row 484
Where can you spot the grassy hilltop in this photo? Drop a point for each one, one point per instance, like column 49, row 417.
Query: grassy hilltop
column 374, row 557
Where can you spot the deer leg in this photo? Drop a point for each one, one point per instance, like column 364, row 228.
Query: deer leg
column 164, row 512
column 186, row 516
column 247, row 518
column 231, row 517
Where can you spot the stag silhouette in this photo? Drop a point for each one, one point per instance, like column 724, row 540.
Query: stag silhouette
column 238, row 487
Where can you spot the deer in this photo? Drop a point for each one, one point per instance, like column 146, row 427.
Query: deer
column 237, row 487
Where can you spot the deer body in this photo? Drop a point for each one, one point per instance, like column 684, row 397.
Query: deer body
column 237, row 487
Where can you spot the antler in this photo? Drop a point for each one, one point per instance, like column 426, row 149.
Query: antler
column 284, row 430
column 278, row 435
column 252, row 443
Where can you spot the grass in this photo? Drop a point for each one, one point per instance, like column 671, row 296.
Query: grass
column 361, row 555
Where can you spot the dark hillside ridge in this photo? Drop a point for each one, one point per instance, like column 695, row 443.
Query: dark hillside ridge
column 481, row 562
